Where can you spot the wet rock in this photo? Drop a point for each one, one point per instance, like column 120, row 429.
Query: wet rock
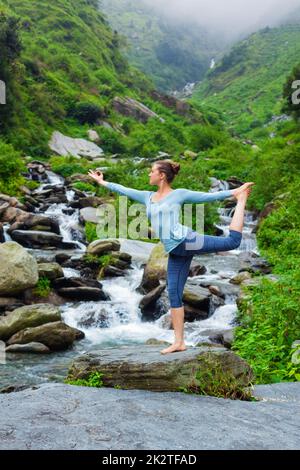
column 18, row 269
column 50, row 270
column 250, row 261
column 36, row 238
column 148, row 302
column 27, row 221
column 154, row 270
column 240, row 277
column 56, row 335
column 80, row 289
column 96, row 319
column 82, row 293
column 27, row 316
column 2, row 237
column 33, row 347
column 98, row 247
column 90, row 201
column 9, row 304
column 192, row 313
column 143, row 367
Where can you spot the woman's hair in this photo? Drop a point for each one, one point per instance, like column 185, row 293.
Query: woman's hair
column 168, row 167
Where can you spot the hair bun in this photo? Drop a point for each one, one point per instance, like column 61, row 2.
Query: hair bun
column 176, row 167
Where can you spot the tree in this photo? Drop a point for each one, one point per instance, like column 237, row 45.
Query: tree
column 291, row 94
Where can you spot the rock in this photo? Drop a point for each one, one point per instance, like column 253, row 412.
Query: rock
column 84, row 178
column 150, row 299
column 18, row 269
column 61, row 416
column 82, row 293
column 93, row 136
column 130, row 107
column 89, row 214
column 2, row 236
column 34, row 347
column 99, row 247
column 90, row 201
column 56, row 335
column 27, row 316
column 50, row 270
column 80, row 289
column 144, row 367
column 190, row 154
column 240, row 277
column 64, row 145
column 9, row 303
column 192, row 313
column 35, row 238
column 155, row 269
column 27, row 221
column 154, row 341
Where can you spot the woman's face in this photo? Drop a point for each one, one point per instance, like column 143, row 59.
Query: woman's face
column 155, row 175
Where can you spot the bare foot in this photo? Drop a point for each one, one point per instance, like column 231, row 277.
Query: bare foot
column 245, row 188
column 243, row 195
column 174, row 347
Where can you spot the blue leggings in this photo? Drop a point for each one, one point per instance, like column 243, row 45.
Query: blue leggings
column 181, row 256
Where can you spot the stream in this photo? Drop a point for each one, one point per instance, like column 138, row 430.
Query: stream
column 123, row 324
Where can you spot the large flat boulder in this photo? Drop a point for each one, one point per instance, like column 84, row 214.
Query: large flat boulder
column 64, row 145
column 144, row 367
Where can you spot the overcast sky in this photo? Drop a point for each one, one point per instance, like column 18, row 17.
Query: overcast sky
column 233, row 17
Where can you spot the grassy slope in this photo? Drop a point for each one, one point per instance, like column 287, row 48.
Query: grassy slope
column 171, row 54
column 70, row 55
column 247, row 86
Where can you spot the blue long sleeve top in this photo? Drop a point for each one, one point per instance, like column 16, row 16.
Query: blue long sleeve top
column 164, row 214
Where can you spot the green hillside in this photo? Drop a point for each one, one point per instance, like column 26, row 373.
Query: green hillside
column 171, row 53
column 246, row 85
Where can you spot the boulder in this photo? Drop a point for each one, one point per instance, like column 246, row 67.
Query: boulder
column 56, row 335
column 98, row 247
column 50, row 270
column 144, row 367
column 36, row 238
column 64, row 145
column 27, row 316
column 155, row 269
column 18, row 269
column 34, row 347
column 130, row 107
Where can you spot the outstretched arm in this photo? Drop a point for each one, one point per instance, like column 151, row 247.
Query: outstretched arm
column 136, row 194
column 188, row 195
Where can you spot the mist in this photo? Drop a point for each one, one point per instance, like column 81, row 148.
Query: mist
column 231, row 18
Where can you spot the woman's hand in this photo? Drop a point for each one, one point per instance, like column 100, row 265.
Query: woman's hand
column 245, row 187
column 97, row 175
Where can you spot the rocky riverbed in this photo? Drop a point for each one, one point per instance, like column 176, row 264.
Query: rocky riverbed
column 100, row 306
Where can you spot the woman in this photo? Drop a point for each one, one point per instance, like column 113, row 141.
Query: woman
column 181, row 242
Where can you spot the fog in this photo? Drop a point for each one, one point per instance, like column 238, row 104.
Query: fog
column 231, row 18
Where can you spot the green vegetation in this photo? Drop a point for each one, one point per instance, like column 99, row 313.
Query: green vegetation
column 246, row 85
column 211, row 379
column 43, row 287
column 171, row 53
column 93, row 380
